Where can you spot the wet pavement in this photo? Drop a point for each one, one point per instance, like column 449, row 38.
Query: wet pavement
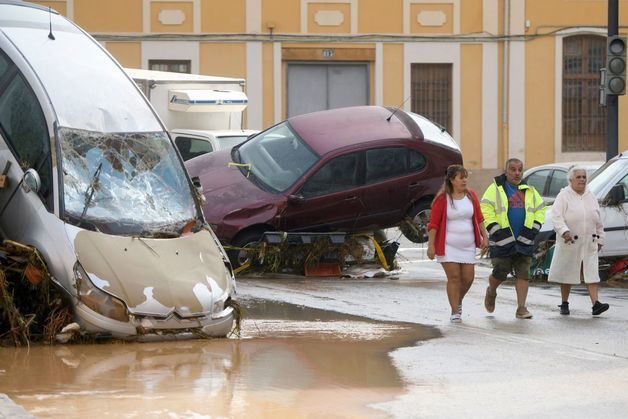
column 291, row 361
column 375, row 344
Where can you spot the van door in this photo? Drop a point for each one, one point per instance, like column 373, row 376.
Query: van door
column 615, row 220
column 25, row 144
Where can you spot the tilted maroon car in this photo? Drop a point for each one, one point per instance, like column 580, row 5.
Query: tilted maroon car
column 352, row 169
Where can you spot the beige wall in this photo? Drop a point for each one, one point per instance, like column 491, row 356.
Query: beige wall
column 471, row 114
column 540, row 101
column 220, row 16
column 545, row 16
column 109, row 16
column 128, row 54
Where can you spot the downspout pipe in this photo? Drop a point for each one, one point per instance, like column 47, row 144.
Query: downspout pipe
column 505, row 80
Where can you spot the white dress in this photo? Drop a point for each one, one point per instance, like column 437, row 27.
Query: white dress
column 459, row 236
column 580, row 215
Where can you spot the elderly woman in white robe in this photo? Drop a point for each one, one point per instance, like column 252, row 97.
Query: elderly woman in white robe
column 579, row 237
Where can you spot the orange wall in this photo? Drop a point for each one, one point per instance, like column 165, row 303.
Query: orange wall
column 393, row 75
column 109, row 16
column 285, row 15
column 59, row 6
column 128, row 54
column 539, row 101
column 470, row 135
column 220, row 16
column 219, row 59
column 186, row 26
column 377, row 16
column 268, row 89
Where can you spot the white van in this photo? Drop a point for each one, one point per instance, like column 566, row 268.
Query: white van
column 96, row 185
column 610, row 185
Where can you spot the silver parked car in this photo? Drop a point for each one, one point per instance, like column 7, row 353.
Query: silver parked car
column 549, row 179
column 96, row 185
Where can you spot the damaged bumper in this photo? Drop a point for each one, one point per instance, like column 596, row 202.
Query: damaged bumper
column 152, row 328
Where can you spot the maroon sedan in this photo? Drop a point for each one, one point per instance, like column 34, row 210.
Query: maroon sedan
column 354, row 169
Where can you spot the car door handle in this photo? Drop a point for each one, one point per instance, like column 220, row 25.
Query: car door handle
column 414, row 185
column 351, row 198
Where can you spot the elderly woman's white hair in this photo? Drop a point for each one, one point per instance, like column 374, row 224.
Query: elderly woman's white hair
column 573, row 169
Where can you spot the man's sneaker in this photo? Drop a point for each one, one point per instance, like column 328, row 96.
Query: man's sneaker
column 455, row 318
column 564, row 308
column 523, row 313
column 599, row 308
column 489, row 300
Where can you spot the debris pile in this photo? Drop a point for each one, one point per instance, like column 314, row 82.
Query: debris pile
column 315, row 254
column 31, row 306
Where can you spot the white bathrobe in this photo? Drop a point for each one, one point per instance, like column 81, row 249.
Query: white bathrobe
column 579, row 214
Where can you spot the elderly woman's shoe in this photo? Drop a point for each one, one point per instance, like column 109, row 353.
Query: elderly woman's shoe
column 599, row 308
column 564, row 308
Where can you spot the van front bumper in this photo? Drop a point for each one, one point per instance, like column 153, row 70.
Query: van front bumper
column 152, row 328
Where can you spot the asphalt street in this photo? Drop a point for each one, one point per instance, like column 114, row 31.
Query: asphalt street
column 490, row 365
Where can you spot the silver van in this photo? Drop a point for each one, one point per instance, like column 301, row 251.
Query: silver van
column 96, row 185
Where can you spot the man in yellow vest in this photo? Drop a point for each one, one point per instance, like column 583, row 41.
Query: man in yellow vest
column 513, row 215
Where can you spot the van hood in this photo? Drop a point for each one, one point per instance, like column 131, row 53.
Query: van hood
column 156, row 277
column 226, row 189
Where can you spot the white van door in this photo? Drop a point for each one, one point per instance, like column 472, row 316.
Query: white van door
column 25, row 215
column 615, row 220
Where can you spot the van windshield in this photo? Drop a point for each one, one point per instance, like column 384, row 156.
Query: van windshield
column 605, row 175
column 125, row 183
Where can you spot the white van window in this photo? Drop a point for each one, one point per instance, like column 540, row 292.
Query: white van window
column 125, row 183
column 23, row 125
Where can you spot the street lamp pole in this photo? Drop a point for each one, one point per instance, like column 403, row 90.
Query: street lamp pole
column 611, row 100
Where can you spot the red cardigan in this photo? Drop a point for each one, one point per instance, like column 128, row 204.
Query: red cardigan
column 438, row 221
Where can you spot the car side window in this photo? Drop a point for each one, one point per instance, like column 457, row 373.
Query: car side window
column 385, row 163
column 538, row 180
column 4, row 66
column 339, row 174
column 23, row 125
column 192, row 147
column 557, row 182
column 417, row 161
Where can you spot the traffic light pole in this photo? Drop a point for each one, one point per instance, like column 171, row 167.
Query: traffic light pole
column 611, row 100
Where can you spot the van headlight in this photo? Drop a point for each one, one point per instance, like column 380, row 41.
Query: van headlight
column 96, row 299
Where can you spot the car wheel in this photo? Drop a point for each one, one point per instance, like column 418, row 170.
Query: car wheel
column 414, row 227
column 246, row 239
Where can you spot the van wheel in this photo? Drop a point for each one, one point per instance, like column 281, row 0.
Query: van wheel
column 414, row 227
column 247, row 239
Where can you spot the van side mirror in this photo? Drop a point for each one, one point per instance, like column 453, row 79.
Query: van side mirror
column 615, row 195
column 31, row 181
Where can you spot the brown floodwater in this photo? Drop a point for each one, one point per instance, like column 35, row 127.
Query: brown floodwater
column 289, row 362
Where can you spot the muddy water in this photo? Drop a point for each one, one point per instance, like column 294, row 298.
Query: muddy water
column 290, row 362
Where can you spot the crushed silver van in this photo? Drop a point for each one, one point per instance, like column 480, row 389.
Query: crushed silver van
column 96, row 185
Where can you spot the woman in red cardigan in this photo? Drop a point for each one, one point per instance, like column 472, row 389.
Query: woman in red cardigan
column 455, row 230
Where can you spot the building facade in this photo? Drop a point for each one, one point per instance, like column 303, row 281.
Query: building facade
column 507, row 78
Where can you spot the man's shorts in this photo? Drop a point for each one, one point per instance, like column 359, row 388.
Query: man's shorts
column 518, row 264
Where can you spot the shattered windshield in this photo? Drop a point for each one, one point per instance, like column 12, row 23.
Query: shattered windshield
column 125, row 183
column 277, row 157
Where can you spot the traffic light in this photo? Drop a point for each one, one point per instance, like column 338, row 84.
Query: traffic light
column 615, row 65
